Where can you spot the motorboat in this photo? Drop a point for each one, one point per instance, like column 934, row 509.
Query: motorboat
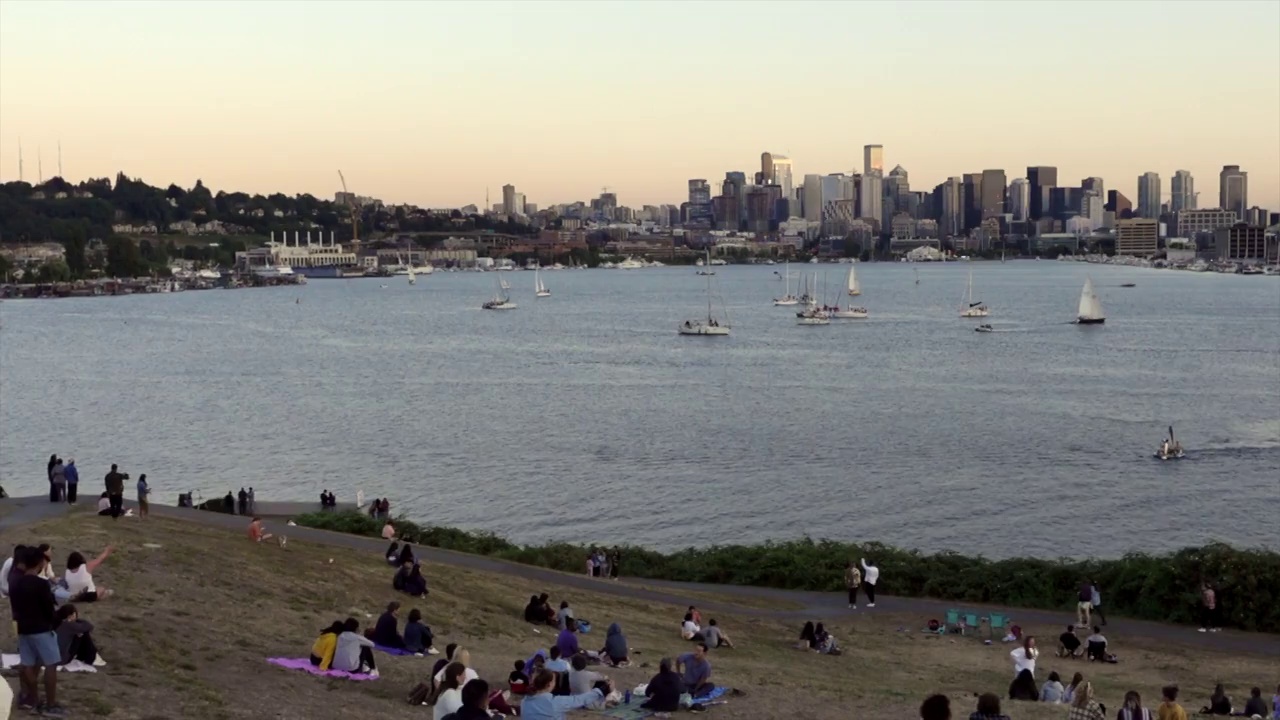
column 984, row 328
column 1089, row 311
column 499, row 304
column 1128, row 285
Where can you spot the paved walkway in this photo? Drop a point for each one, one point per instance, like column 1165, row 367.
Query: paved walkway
column 813, row 605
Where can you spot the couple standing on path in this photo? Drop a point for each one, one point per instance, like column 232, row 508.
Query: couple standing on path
column 865, row 578
column 63, row 480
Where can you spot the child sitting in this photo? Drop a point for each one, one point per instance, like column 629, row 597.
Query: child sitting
column 518, row 681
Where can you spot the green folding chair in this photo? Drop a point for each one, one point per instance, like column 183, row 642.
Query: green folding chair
column 970, row 621
column 953, row 622
column 999, row 623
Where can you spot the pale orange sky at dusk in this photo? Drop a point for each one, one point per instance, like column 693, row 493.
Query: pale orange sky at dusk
column 430, row 103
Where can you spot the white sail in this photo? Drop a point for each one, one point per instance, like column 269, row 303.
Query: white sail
column 503, row 284
column 854, row 288
column 539, row 289
column 1090, row 305
column 412, row 279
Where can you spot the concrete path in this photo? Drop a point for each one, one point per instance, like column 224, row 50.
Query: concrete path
column 813, row 605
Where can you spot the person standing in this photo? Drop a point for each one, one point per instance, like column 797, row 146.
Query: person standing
column 243, row 497
column 73, row 480
column 852, row 579
column 33, row 612
column 144, row 496
column 1084, row 604
column 1208, row 608
column 59, row 480
column 870, row 576
column 1095, row 600
column 615, row 562
column 53, row 460
column 115, row 491
column 253, row 502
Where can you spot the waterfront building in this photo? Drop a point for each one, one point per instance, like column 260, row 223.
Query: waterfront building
column 1137, row 236
column 1191, row 223
column 993, row 192
column 1183, row 192
column 1149, row 195
column 1040, row 178
column 1233, row 190
column 1243, row 243
column 972, row 200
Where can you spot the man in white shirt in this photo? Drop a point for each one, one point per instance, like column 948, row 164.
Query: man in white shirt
column 870, row 575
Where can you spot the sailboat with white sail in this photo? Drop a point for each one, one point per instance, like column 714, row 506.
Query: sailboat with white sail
column 500, row 301
column 973, row 309
column 539, row 290
column 812, row 314
column 711, row 326
column 1090, row 310
column 787, row 298
column 852, row 282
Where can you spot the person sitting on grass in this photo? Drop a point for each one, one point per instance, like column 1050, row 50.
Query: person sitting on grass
column 74, row 640
column 386, row 631
column 533, row 611
column 807, row 641
column 475, row 702
column 79, row 577
column 393, row 554
column 689, row 629
column 580, row 678
column 449, row 651
column 1170, row 709
column 323, row 648
column 406, row 555
column 565, row 615
column 663, row 691
column 1255, row 705
column 1052, row 690
column 714, row 637
column 936, row 707
column 1219, row 702
column 824, row 642
column 258, row 531
column 416, row 584
column 104, row 505
column 1023, row 687
column 567, row 640
column 552, row 618
column 1132, row 708
column 447, row 697
column 1069, row 645
column 461, row 657
column 695, row 671
column 556, row 663
column 1097, row 645
column 542, row 705
column 353, row 652
column 1083, row 706
column 518, row 680
column 417, row 636
column 988, row 708
column 616, row 650
column 1069, row 693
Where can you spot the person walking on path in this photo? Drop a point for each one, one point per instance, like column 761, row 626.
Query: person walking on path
column 144, row 496
column 1208, row 608
column 1095, row 600
column 852, row 579
column 870, row 576
column 115, row 491
column 1084, row 605
column 73, row 480
column 31, row 598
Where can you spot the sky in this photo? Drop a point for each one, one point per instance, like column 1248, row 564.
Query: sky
column 436, row 103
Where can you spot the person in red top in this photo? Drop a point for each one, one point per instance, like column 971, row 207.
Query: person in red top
column 1208, row 608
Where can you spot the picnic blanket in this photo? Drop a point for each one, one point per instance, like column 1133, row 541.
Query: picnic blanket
column 628, row 712
column 391, row 650
column 304, row 664
column 715, row 693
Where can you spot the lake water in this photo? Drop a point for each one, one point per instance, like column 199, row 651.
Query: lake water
column 585, row 417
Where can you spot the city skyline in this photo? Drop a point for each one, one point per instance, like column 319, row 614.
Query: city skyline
column 433, row 119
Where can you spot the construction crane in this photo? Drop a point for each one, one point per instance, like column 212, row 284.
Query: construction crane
column 351, row 205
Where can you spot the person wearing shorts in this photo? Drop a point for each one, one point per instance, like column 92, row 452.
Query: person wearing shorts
column 33, row 610
column 1084, row 604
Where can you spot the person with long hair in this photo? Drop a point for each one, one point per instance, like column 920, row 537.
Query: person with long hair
column 806, row 637
column 1069, row 693
column 1132, row 708
column 1023, row 687
column 323, row 648
column 447, row 696
column 1052, row 690
column 824, row 642
column 460, row 656
column 533, row 611
column 543, row 705
column 1219, row 702
column 988, row 708
column 1083, row 706
column 663, row 691
column 393, row 554
column 1024, row 658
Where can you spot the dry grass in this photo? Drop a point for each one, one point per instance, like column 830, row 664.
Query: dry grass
column 195, row 618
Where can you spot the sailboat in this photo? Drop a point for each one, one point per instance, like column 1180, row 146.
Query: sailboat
column 539, row 290
column 1170, row 449
column 503, row 284
column 787, row 298
column 812, row 314
column 500, row 301
column 973, row 309
column 1090, row 310
column 711, row 326
column 852, row 282
column 413, row 280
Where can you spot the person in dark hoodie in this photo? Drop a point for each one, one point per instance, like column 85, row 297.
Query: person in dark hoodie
column 53, row 493
column 73, row 480
column 475, row 702
column 615, row 650
column 416, row 584
column 401, row 578
column 664, row 689
column 74, row 640
column 392, row 554
column 386, row 632
column 533, row 611
column 406, row 554
column 417, row 636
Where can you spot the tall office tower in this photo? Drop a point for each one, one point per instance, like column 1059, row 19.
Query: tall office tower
column 871, row 196
column 1093, row 207
column 509, row 199
column 972, row 200
column 873, row 159
column 699, row 211
column 1041, row 178
column 518, row 204
column 1233, row 190
column 1149, row 195
column 1182, row 192
column 951, row 221
column 993, row 182
column 897, row 192
column 1020, row 199
column 813, row 198
column 776, row 170
column 1095, row 184
column 738, row 180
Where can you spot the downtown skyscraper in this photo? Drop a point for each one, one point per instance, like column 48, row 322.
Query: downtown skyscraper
column 1182, row 192
column 1149, row 195
column 1040, row 178
column 1233, row 191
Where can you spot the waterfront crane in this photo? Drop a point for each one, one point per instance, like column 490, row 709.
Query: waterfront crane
column 351, row 206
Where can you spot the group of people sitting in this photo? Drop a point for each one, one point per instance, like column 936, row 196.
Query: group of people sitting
column 1094, row 647
column 1084, row 706
column 815, row 638
column 691, row 629
column 408, row 578
column 51, row 633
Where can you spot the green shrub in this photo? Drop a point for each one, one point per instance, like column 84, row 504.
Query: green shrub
column 1152, row 587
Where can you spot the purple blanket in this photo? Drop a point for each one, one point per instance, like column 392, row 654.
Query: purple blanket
column 304, row 664
column 391, row 650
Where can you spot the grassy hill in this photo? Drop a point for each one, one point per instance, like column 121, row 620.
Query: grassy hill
column 194, row 619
